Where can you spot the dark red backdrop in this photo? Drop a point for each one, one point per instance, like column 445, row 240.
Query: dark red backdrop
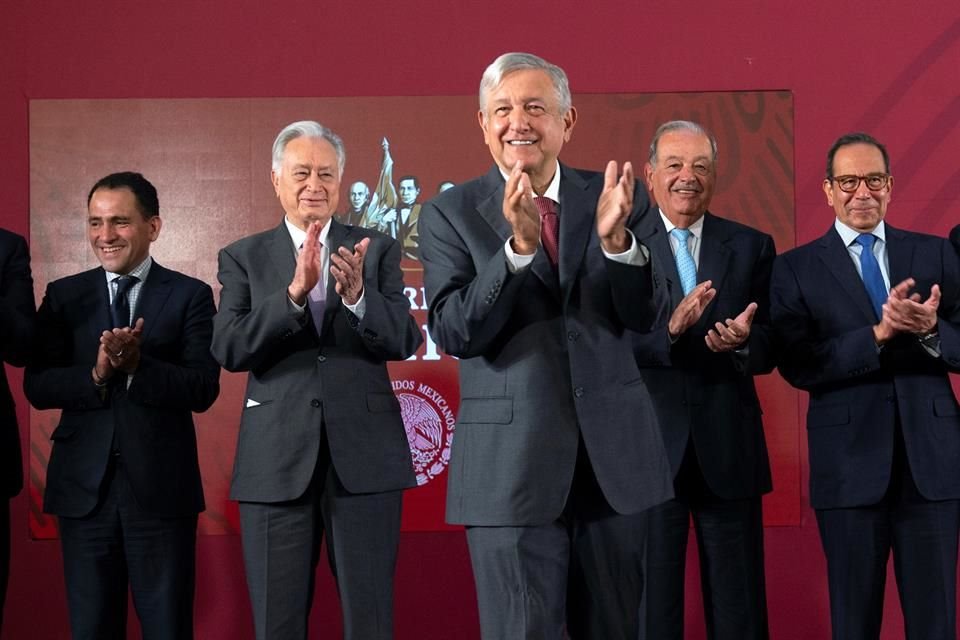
column 891, row 69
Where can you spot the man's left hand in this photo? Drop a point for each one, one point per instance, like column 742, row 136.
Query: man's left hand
column 613, row 208
column 347, row 269
column 731, row 334
column 908, row 314
column 122, row 347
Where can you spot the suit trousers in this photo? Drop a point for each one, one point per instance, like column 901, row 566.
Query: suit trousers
column 730, row 547
column 118, row 543
column 580, row 574
column 281, row 550
column 923, row 535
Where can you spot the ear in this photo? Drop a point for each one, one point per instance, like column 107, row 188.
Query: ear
column 275, row 179
column 569, row 120
column 648, row 175
column 828, row 190
column 155, row 224
column 889, row 188
column 481, row 118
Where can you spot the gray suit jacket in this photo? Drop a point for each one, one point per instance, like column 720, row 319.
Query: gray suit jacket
column 544, row 358
column 300, row 384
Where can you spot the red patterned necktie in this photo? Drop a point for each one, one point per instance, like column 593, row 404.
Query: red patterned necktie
column 549, row 227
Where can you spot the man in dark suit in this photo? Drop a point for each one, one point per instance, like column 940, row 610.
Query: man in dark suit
column 16, row 334
column 124, row 351
column 557, row 452
column 869, row 317
column 699, row 367
column 955, row 237
column 313, row 310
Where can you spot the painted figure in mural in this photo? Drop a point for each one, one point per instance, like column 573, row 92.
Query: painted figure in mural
column 124, row 351
column 869, row 318
column 312, row 310
column 407, row 216
column 16, row 334
column 557, row 452
column 359, row 199
column 699, row 368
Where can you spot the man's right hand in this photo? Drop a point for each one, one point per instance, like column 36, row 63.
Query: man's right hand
column 521, row 212
column 690, row 309
column 307, row 274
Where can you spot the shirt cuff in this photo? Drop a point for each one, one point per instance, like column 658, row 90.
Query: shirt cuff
column 360, row 307
column 637, row 255
column 515, row 261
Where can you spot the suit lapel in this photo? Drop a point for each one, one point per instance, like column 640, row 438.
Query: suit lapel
column 577, row 218
column 653, row 235
column 899, row 255
column 839, row 265
column 97, row 303
column 715, row 255
column 152, row 298
column 491, row 210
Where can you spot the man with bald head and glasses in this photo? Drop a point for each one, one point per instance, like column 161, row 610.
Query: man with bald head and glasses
column 869, row 318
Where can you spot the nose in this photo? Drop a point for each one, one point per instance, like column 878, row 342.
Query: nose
column 686, row 173
column 108, row 232
column 862, row 191
column 518, row 120
column 314, row 182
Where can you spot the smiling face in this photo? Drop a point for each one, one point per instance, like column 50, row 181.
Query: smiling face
column 118, row 232
column 682, row 176
column 863, row 209
column 308, row 182
column 522, row 122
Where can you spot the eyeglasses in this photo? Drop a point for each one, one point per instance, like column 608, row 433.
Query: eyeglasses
column 874, row 182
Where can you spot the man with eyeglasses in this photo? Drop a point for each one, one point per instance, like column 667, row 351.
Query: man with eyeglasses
column 870, row 322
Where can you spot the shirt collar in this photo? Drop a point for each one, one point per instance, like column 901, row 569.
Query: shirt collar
column 140, row 272
column 848, row 235
column 696, row 228
column 298, row 235
column 553, row 189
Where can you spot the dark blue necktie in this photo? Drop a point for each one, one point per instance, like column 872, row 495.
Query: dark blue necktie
column 870, row 271
column 120, row 309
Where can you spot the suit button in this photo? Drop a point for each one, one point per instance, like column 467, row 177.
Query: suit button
column 315, row 403
column 578, row 392
column 573, row 335
column 321, row 358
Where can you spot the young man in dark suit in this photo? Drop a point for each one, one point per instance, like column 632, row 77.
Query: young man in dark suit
column 124, row 351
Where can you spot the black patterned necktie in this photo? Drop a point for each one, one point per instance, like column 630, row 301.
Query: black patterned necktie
column 120, row 309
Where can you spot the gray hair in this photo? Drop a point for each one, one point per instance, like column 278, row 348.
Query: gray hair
column 510, row 62
column 307, row 129
column 681, row 125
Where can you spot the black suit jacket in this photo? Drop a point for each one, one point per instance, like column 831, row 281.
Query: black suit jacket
column 545, row 357
column 300, row 385
column 17, row 311
column 955, row 238
column 858, row 392
column 152, row 418
column 710, row 397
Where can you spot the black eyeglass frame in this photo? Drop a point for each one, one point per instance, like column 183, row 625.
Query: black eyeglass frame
column 883, row 178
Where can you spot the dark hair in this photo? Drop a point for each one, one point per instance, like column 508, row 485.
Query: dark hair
column 416, row 183
column 144, row 192
column 856, row 138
